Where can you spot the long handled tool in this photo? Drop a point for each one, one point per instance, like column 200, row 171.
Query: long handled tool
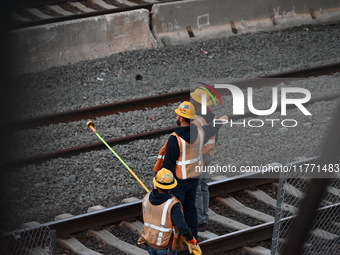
column 90, row 124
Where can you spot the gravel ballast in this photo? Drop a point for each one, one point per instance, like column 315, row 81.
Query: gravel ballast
column 39, row 192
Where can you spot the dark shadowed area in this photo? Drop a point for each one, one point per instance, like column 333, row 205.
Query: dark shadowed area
column 8, row 86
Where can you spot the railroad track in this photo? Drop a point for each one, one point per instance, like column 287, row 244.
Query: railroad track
column 33, row 13
column 67, row 227
column 163, row 99
column 153, row 102
column 214, row 244
column 69, row 152
column 73, row 232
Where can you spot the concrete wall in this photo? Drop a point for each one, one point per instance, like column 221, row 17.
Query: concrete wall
column 212, row 18
column 41, row 47
column 58, row 44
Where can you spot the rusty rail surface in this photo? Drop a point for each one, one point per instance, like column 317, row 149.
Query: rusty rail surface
column 164, row 99
column 123, row 140
column 211, row 246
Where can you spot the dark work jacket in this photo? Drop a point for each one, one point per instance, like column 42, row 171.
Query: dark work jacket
column 209, row 117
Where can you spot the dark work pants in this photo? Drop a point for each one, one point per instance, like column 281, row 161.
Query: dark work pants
column 185, row 192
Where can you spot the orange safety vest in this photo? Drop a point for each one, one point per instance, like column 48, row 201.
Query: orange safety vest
column 158, row 231
column 190, row 156
column 209, row 146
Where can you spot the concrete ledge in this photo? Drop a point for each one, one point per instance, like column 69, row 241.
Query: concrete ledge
column 186, row 21
column 59, row 44
column 41, row 47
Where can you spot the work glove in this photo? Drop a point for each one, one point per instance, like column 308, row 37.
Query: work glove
column 224, row 119
column 141, row 240
column 221, row 120
column 193, row 246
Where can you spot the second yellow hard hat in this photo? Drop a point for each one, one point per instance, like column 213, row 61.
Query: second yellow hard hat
column 197, row 96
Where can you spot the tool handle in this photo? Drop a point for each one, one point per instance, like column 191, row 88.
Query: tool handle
column 93, row 129
column 90, row 125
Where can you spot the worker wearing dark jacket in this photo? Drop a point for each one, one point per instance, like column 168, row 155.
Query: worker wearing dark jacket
column 182, row 154
column 164, row 220
column 202, row 194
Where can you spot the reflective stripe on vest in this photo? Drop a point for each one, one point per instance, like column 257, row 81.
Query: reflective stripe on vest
column 157, row 228
column 185, row 162
column 165, row 210
column 200, row 133
column 160, row 158
column 144, row 202
column 210, row 141
column 209, row 146
column 200, row 121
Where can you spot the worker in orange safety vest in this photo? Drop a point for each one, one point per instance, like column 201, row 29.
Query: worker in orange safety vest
column 182, row 155
column 164, row 224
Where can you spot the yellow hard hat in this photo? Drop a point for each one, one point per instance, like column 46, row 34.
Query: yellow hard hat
column 186, row 110
column 197, row 95
column 164, row 179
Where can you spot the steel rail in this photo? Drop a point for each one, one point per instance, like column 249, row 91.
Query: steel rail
column 236, row 239
column 134, row 209
column 257, row 233
column 123, row 140
column 103, row 110
column 89, row 147
column 118, row 213
column 237, row 183
column 161, row 100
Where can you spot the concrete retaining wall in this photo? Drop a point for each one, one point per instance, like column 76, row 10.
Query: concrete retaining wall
column 212, row 18
column 41, row 47
column 38, row 48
